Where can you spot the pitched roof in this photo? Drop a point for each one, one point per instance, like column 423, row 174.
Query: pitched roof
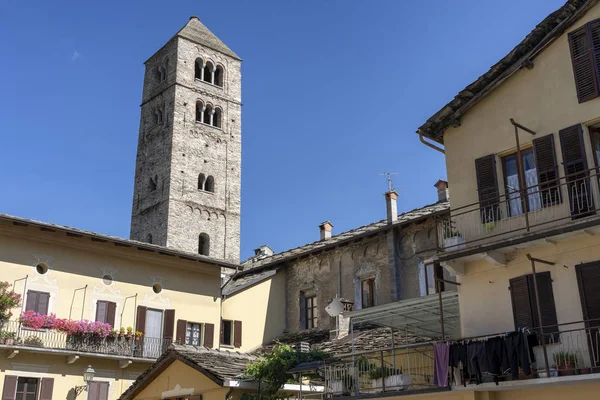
column 100, row 238
column 195, row 31
column 220, row 366
column 255, row 267
column 522, row 55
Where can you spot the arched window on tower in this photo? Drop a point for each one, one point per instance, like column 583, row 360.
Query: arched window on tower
column 207, row 118
column 199, row 110
column 149, row 238
column 219, row 76
column 198, row 67
column 208, row 72
column 153, row 183
column 203, row 244
column 201, row 181
column 217, row 118
column 209, row 186
column 158, row 116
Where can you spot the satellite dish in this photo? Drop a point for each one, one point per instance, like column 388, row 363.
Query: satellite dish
column 334, row 308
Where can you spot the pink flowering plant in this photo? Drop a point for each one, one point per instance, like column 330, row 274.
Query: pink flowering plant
column 8, row 300
column 33, row 320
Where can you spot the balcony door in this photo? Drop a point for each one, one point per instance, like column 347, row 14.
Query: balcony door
column 588, row 279
column 153, row 333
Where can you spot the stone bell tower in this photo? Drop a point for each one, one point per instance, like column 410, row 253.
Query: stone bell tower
column 188, row 166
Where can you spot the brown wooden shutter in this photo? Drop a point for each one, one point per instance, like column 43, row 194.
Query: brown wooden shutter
column 547, row 170
column 31, row 304
column 43, row 303
column 93, row 390
column 100, row 311
column 181, row 330
column 576, row 170
column 169, row 325
column 222, row 332
column 9, row 390
column 487, row 188
column 209, row 334
column 140, row 322
column 521, row 303
column 103, row 390
column 546, row 296
column 111, row 311
column 303, row 321
column 237, row 333
column 594, row 29
column 46, row 389
column 584, row 64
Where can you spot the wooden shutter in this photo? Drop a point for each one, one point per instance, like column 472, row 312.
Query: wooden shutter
column 9, row 390
column 237, row 333
column 111, row 311
column 594, row 29
column 169, row 325
column 222, row 332
column 93, row 390
column 487, row 188
column 103, row 390
column 46, row 389
column 140, row 322
column 181, row 330
column 547, row 170
column 43, row 303
column 576, row 171
column 546, row 296
column 303, row 321
column 584, row 64
column 32, row 301
column 521, row 303
column 209, row 333
column 101, row 309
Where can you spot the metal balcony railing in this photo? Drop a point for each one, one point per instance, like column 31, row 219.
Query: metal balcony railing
column 14, row 335
column 566, row 201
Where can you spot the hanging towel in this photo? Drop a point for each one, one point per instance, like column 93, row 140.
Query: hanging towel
column 441, row 356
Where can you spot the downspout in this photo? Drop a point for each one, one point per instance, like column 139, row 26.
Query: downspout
column 422, row 139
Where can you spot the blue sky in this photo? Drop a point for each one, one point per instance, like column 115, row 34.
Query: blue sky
column 333, row 92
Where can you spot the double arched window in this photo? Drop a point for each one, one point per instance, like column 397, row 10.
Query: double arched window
column 203, row 244
column 207, row 114
column 208, row 72
column 206, row 183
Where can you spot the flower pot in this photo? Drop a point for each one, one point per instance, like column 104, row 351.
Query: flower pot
column 585, row 371
column 2, row 340
column 566, row 369
column 11, row 341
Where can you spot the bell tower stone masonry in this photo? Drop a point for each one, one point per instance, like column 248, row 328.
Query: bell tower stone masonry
column 187, row 186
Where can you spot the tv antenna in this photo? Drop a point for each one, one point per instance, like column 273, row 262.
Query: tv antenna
column 390, row 182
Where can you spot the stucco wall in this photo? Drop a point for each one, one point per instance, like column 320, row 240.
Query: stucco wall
column 261, row 308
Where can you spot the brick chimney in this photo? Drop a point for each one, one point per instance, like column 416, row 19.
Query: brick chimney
column 443, row 192
column 325, row 230
column 391, row 206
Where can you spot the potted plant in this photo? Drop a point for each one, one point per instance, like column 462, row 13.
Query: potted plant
column 10, row 338
column 390, row 376
column 3, row 337
column 129, row 331
column 565, row 361
column 122, row 332
column 138, row 335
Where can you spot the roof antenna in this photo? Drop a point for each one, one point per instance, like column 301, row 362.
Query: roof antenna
column 390, row 182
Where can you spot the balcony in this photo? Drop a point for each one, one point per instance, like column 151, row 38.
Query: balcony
column 555, row 208
column 16, row 337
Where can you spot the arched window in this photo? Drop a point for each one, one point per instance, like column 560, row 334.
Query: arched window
column 203, row 244
column 158, row 116
column 217, row 118
column 149, row 238
column 153, row 183
column 199, row 110
column 207, row 114
column 209, row 186
column 208, row 72
column 198, row 67
column 219, row 76
column 201, row 180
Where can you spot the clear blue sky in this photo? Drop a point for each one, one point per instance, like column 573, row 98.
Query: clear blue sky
column 333, row 92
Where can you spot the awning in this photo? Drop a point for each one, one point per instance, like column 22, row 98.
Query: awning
column 420, row 315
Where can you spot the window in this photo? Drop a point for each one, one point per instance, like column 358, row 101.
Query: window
column 37, row 301
column 584, row 44
column 27, row 389
column 368, row 292
column 199, row 111
column 158, row 116
column 105, row 312
column 203, row 244
column 218, row 76
column 98, row 390
column 207, row 115
column 149, row 238
column 193, row 334
column 513, row 175
column 427, row 273
column 153, row 183
column 198, row 68
column 41, row 268
column 231, row 333
column 311, row 312
column 217, row 118
column 209, row 186
column 208, row 72
column 595, row 139
column 524, row 303
column 201, row 180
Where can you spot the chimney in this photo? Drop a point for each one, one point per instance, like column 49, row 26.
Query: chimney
column 263, row 252
column 325, row 229
column 442, row 187
column 391, row 206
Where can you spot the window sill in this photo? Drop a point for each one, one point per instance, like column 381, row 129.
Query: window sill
column 227, row 346
column 197, row 81
column 209, row 125
column 206, row 191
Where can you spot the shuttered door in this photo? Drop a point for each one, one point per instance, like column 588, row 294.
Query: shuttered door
column 168, row 329
column 209, row 334
column 237, row 333
column 487, row 188
column 588, row 279
column 521, row 304
column 46, row 388
column 547, row 170
column 140, row 325
column 575, row 166
column 10, row 387
column 98, row 390
column 594, row 29
column 547, row 306
column 181, row 330
column 111, row 312
column 584, row 65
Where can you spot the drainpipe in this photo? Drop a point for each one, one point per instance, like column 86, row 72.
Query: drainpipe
column 422, row 139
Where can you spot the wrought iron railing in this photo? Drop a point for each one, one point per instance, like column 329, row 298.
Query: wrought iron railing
column 565, row 201
column 402, row 369
column 14, row 335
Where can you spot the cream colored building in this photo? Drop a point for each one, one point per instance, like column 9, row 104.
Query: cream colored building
column 169, row 295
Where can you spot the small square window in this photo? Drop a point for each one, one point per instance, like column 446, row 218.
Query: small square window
column 368, row 292
column 194, row 333
column 227, row 333
column 27, row 389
